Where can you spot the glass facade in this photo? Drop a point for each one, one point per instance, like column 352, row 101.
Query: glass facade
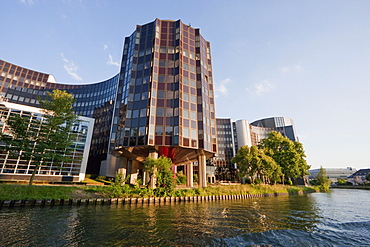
column 283, row 125
column 226, row 143
column 162, row 99
column 165, row 93
column 14, row 167
column 23, row 86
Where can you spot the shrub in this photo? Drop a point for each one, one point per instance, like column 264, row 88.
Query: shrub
column 180, row 178
column 258, row 181
column 101, row 177
column 195, row 178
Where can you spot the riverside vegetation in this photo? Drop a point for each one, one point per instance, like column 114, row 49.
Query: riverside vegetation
column 115, row 190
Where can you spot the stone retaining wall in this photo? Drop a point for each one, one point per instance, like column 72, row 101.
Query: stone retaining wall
column 112, row 201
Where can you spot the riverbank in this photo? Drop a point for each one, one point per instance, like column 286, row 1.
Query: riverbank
column 24, row 192
column 354, row 187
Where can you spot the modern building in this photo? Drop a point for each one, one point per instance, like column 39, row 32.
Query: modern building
column 165, row 99
column 233, row 135
column 96, row 100
column 13, row 167
column 283, row 125
column 333, row 173
column 226, row 143
column 160, row 103
column 359, row 177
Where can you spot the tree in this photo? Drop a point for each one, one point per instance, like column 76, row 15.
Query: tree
column 161, row 169
column 287, row 154
column 341, row 181
column 322, row 180
column 150, row 166
column 255, row 164
column 43, row 139
column 368, row 176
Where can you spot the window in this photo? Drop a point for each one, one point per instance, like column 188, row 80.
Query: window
column 159, row 130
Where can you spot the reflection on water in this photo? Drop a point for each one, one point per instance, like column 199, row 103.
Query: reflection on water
column 280, row 221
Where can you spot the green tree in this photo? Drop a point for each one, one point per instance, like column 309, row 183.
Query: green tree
column 256, row 165
column 322, row 180
column 368, row 176
column 165, row 178
column 150, row 166
column 180, row 178
column 341, row 181
column 287, row 154
column 161, row 169
column 43, row 139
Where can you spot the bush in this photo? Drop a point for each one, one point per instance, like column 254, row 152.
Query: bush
column 180, row 178
column 195, row 178
column 341, row 181
column 258, row 181
column 101, row 177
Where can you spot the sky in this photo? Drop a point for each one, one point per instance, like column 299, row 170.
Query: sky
column 306, row 60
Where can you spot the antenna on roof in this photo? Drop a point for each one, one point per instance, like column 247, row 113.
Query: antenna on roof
column 189, row 24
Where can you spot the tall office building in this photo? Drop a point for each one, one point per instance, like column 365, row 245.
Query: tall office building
column 165, row 100
column 160, row 103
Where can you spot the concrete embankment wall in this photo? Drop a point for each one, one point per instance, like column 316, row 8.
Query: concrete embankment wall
column 113, row 201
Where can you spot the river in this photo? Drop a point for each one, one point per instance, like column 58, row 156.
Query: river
column 338, row 218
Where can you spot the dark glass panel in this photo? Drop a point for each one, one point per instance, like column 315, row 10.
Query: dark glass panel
column 158, row 140
column 132, row 141
column 141, row 140
column 159, row 120
column 193, row 107
column 185, row 142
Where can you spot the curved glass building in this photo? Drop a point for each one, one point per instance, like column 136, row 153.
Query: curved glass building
column 24, row 86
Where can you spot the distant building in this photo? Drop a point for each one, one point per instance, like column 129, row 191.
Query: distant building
column 359, row 177
column 333, row 173
column 15, row 168
column 233, row 135
column 283, row 125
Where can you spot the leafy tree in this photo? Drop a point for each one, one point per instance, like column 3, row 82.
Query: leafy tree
column 287, row 154
column 341, row 181
column 161, row 169
column 46, row 139
column 322, row 180
column 150, row 166
column 256, row 165
column 180, row 178
column 368, row 176
column 165, row 179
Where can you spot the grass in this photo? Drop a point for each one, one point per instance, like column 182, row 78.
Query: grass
column 25, row 192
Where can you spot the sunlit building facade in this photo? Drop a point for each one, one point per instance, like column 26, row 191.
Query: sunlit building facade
column 161, row 102
column 13, row 167
column 165, row 101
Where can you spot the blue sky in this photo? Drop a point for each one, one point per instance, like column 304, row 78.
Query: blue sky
column 307, row 60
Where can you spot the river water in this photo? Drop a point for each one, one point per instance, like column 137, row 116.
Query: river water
column 338, row 218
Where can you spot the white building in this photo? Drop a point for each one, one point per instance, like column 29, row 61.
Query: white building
column 333, row 173
column 14, row 168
